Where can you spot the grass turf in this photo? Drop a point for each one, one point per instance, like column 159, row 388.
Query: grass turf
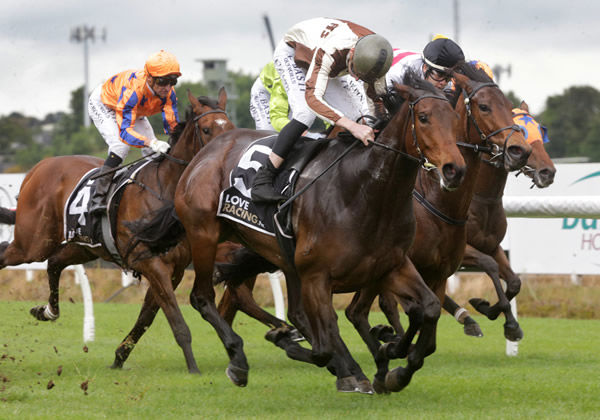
column 556, row 374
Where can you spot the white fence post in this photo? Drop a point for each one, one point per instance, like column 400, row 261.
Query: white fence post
column 88, row 305
column 274, row 279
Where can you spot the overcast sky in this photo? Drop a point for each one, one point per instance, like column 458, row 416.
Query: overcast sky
column 549, row 44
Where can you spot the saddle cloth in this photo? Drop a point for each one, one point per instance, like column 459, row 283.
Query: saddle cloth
column 235, row 202
column 79, row 225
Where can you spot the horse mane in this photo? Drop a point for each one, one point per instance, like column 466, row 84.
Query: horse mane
column 472, row 72
column 189, row 115
column 393, row 100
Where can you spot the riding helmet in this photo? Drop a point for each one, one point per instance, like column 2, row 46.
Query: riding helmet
column 162, row 64
column 442, row 54
column 372, row 57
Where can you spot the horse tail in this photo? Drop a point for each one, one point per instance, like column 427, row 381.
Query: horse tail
column 242, row 264
column 161, row 233
column 7, row 216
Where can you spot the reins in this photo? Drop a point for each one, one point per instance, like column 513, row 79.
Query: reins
column 486, row 148
column 421, row 160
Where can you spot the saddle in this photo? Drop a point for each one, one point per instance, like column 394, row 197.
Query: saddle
column 83, row 228
column 235, row 202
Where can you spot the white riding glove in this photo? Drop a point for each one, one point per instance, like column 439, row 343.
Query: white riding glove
column 159, row 146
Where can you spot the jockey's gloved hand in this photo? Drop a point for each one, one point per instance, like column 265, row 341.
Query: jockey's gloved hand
column 159, row 146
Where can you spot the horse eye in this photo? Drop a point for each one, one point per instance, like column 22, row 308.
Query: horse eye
column 206, row 130
column 423, row 118
column 484, row 108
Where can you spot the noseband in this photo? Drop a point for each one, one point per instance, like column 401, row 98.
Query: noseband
column 422, row 160
column 492, row 149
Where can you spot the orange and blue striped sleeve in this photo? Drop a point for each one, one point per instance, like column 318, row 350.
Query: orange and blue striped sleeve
column 126, row 114
column 169, row 113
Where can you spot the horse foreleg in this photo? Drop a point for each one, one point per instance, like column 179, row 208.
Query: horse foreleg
column 328, row 348
column 475, row 258
column 68, row 254
column 462, row 316
column 423, row 309
column 358, row 313
column 512, row 330
column 202, row 299
column 159, row 277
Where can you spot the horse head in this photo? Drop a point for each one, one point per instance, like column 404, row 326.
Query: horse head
column 431, row 129
column 487, row 116
column 540, row 167
column 205, row 120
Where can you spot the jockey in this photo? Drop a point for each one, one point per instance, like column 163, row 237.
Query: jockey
column 270, row 109
column 309, row 59
column 433, row 64
column 120, row 107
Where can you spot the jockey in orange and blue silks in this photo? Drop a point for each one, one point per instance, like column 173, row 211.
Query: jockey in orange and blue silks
column 130, row 96
column 119, row 108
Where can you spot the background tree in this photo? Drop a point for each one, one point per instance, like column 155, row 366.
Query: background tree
column 573, row 121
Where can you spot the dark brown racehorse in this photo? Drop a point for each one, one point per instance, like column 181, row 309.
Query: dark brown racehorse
column 442, row 215
column 486, row 228
column 352, row 227
column 39, row 219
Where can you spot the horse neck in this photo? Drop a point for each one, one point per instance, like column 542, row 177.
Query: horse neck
column 168, row 172
column 490, row 183
column 401, row 170
column 455, row 203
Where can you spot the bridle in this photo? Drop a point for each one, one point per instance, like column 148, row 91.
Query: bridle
column 492, row 149
column 197, row 136
column 422, row 160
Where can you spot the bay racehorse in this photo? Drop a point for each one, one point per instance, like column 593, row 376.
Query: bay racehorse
column 441, row 216
column 486, row 228
column 39, row 219
column 353, row 226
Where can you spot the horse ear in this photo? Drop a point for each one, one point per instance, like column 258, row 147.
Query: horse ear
column 222, row 98
column 195, row 103
column 405, row 91
column 462, row 81
column 524, row 106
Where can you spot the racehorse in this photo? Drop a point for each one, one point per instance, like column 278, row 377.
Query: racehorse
column 39, row 219
column 341, row 243
column 441, row 216
column 486, row 228
column 441, row 232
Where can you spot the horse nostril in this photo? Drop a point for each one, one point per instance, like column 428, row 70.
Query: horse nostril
column 449, row 171
column 547, row 174
column 517, row 153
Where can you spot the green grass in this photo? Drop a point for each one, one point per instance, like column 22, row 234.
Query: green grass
column 556, row 374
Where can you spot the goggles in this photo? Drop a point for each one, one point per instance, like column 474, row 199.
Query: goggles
column 170, row 80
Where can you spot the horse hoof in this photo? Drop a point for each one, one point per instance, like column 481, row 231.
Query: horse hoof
column 237, row 375
column 43, row 313
column 276, row 334
column 365, row 387
column 472, row 329
column 379, row 386
column 513, row 332
column 397, row 379
column 382, row 332
column 347, row 384
column 481, row 305
column 296, row 336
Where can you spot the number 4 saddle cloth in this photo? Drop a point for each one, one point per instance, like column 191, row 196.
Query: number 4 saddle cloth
column 79, row 225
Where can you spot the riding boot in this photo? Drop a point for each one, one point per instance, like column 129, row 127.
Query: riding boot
column 262, row 187
column 98, row 204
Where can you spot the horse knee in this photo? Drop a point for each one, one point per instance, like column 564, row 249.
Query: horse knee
column 321, row 357
column 432, row 310
column 513, row 287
